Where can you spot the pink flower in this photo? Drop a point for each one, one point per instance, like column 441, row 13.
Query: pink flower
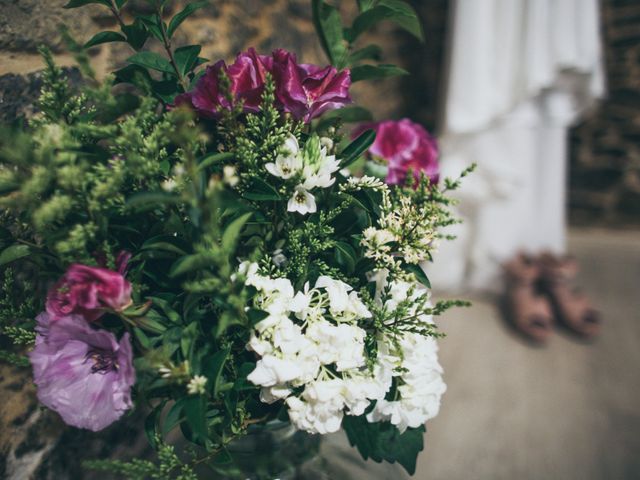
column 248, row 75
column 82, row 373
column 405, row 146
column 89, row 291
column 206, row 99
column 307, row 91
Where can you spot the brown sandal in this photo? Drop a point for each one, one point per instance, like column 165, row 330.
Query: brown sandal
column 572, row 308
column 527, row 309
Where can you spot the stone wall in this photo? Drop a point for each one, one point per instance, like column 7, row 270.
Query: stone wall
column 605, row 149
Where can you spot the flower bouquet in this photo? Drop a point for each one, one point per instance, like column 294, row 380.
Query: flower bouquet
column 193, row 241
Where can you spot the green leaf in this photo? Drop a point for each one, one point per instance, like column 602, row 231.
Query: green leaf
column 195, row 411
column 346, row 256
column 352, row 114
column 418, row 272
column 154, row 25
column 104, row 37
column 182, row 16
column 149, row 324
column 328, row 25
column 372, row 72
column 136, row 34
column 364, row 5
column 209, row 160
column 151, row 425
column 356, row 148
column 152, row 60
column 14, row 252
column 261, row 191
column 382, row 441
column 82, row 3
column 148, row 200
column 213, row 370
column 231, row 234
column 174, row 416
column 396, row 11
column 189, row 263
column 164, row 246
column 370, row 52
column 186, row 58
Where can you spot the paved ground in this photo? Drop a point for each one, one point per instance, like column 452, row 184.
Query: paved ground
column 567, row 411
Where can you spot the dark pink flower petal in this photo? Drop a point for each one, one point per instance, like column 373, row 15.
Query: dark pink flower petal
column 88, row 291
column 405, row 146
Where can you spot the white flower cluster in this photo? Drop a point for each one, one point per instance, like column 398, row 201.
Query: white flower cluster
column 313, row 167
column 413, row 359
column 312, row 356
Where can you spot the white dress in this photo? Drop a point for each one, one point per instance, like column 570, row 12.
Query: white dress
column 520, row 73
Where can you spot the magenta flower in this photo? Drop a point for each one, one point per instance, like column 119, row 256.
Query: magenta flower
column 89, row 291
column 307, row 91
column 82, row 373
column 206, row 99
column 405, row 146
column 248, row 75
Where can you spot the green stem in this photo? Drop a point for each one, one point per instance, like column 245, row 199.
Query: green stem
column 166, row 41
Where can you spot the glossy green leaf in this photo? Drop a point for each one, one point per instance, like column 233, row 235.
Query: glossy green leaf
column 153, row 61
column 183, row 15
column 382, row 441
column 373, row 72
column 136, row 34
column 154, row 25
column 14, row 252
column 356, row 148
column 419, row 273
column 105, row 37
column 370, row 52
column 186, row 57
column 397, row 11
column 346, row 256
column 328, row 25
column 194, row 408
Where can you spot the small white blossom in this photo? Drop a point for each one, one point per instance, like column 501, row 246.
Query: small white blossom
column 289, row 162
column 197, row 385
column 229, row 175
column 302, row 202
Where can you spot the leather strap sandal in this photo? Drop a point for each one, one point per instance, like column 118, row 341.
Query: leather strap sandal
column 572, row 308
column 527, row 309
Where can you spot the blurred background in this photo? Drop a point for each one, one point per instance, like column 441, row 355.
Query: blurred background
column 545, row 96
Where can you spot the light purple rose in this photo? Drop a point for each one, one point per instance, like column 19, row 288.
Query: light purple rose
column 307, row 91
column 89, row 291
column 82, row 373
column 304, row 90
column 405, row 145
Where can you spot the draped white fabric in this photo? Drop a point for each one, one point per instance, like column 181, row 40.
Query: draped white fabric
column 520, row 73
